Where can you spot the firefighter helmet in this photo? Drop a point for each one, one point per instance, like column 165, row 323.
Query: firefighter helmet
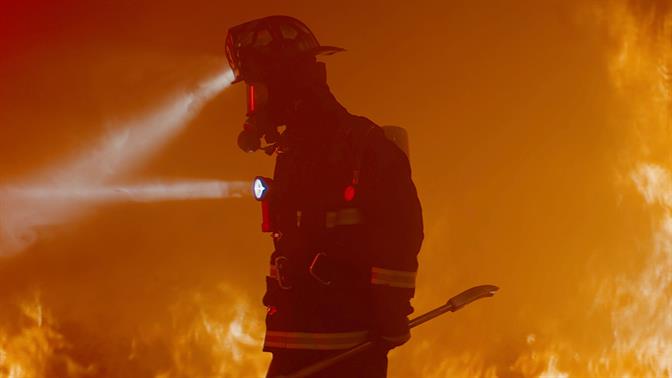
column 255, row 44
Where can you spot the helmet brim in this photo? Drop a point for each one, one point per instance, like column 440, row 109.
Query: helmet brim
column 326, row 50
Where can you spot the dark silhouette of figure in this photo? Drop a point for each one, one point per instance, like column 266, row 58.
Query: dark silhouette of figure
column 343, row 211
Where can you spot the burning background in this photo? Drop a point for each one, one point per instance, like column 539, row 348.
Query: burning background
column 540, row 137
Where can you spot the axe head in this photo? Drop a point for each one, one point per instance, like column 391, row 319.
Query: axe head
column 470, row 295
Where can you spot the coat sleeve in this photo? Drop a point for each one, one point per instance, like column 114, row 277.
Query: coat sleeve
column 394, row 218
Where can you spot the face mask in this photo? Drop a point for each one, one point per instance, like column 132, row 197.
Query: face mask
column 262, row 120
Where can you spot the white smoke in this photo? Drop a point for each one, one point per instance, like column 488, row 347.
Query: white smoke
column 61, row 193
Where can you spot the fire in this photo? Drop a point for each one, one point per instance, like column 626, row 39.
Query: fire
column 193, row 328
column 218, row 334
column 33, row 347
column 214, row 333
column 640, row 306
column 644, row 324
column 633, row 308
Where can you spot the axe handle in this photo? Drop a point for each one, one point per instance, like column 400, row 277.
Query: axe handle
column 427, row 316
column 312, row 369
column 453, row 304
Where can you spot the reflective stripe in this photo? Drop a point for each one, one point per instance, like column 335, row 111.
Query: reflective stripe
column 315, row 341
column 394, row 278
column 344, row 217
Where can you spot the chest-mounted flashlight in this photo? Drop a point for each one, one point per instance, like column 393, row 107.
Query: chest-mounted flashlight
column 261, row 190
column 260, row 187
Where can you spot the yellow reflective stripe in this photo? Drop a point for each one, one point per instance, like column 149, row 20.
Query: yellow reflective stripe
column 344, row 217
column 316, row 341
column 394, row 278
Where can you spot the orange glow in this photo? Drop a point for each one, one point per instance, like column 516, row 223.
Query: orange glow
column 541, row 141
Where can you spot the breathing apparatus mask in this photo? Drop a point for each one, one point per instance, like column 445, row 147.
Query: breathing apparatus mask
column 272, row 55
column 260, row 122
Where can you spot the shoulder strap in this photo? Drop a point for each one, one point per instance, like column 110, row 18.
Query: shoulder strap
column 359, row 131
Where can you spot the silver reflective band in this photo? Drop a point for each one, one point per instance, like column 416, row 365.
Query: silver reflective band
column 394, row 278
column 315, row 341
column 344, row 217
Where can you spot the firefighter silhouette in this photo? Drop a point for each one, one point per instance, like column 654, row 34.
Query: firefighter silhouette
column 342, row 208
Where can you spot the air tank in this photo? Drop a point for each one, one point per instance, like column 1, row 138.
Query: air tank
column 399, row 136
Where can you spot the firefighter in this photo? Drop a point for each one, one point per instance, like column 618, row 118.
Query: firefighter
column 343, row 211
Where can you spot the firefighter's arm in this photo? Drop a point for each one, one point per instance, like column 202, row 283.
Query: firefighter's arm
column 394, row 216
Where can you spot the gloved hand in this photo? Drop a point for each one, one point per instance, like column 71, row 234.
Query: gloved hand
column 391, row 309
column 393, row 341
column 392, row 332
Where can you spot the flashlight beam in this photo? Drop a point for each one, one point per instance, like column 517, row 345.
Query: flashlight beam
column 134, row 141
column 62, row 190
column 188, row 190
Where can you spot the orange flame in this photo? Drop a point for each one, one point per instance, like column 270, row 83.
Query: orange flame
column 35, row 348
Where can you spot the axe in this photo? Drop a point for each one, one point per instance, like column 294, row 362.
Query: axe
column 455, row 303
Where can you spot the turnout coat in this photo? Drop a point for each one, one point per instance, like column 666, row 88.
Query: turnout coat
column 347, row 231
